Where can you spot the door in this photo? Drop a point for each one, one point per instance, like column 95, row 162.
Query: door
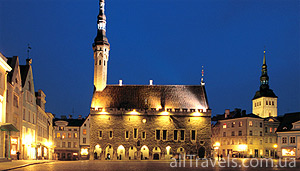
column 256, row 152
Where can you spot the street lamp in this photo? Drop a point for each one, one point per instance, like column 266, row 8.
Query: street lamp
column 275, row 147
column 217, row 146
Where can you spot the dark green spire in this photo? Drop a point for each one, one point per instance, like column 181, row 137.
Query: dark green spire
column 264, row 78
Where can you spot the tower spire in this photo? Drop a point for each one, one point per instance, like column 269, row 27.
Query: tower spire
column 202, row 74
column 264, row 78
column 101, row 38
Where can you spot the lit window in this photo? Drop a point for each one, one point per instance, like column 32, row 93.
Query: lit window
column 58, row 135
column 69, row 135
column 240, row 124
column 289, row 152
column 233, row 124
column 84, row 131
column 64, row 135
column 224, row 126
column 75, row 135
column 271, row 129
column 250, row 123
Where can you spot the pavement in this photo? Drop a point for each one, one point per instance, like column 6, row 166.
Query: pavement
column 15, row 164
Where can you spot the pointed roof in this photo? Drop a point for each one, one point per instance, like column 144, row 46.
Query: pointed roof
column 24, row 72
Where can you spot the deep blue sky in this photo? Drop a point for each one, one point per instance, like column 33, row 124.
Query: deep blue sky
column 164, row 40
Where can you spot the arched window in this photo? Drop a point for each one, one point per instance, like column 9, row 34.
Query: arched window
column 99, row 62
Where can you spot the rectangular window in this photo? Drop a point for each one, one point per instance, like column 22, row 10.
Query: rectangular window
column 69, row 144
column 100, row 134
column 63, row 135
column 16, row 101
column 84, row 131
column 292, row 140
column 126, row 134
column 75, row 135
column 110, row 134
column 164, row 134
column 193, row 135
column 224, row 126
column 75, row 144
column 182, row 135
column 157, row 135
column 240, row 124
column 250, row 123
column 135, row 133
column 284, row 140
column 224, row 134
column 270, row 140
column 63, row 144
column 143, row 135
column 260, row 124
column 250, row 133
column 260, row 133
column 232, row 133
column 266, row 129
column 58, row 135
column 175, row 135
column 271, row 130
column 69, row 135
column 240, row 133
column 233, row 124
column 84, row 140
column 61, row 128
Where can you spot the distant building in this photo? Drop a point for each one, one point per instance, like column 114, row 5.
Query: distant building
column 289, row 136
column 5, row 127
column 264, row 103
column 140, row 122
column 67, row 138
column 85, row 140
column 244, row 135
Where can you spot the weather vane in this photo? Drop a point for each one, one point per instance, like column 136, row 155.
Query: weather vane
column 28, row 50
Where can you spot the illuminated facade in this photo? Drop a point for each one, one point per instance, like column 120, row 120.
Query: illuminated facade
column 66, row 138
column 4, row 68
column 242, row 135
column 289, row 136
column 264, row 103
column 85, row 139
column 142, row 122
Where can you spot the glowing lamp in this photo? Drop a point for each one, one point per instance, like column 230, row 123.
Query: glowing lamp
column 275, row 146
column 134, row 112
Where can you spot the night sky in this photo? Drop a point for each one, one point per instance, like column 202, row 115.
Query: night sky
column 164, row 40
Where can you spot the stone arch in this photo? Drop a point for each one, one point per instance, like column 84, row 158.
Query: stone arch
column 109, row 152
column 144, row 152
column 156, row 153
column 97, row 152
column 168, row 153
column 201, row 152
column 181, row 152
column 121, row 152
column 132, row 153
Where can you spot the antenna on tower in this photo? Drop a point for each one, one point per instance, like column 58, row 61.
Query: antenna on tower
column 28, row 50
column 202, row 74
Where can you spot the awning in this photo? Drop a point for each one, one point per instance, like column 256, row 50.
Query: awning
column 8, row 127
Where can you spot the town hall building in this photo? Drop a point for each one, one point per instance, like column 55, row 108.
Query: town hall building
column 145, row 122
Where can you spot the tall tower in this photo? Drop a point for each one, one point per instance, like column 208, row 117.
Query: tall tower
column 264, row 103
column 101, row 49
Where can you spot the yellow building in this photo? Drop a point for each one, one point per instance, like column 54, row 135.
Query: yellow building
column 264, row 103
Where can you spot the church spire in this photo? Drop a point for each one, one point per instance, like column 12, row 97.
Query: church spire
column 264, row 78
column 101, row 38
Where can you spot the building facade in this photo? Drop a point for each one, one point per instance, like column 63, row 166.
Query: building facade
column 242, row 135
column 264, row 103
column 85, row 140
column 144, row 121
column 4, row 132
column 67, row 138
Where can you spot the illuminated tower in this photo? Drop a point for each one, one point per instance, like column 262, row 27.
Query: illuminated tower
column 264, row 103
column 101, row 49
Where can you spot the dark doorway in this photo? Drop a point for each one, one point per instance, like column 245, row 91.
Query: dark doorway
column 201, row 152
column 156, row 156
column 256, row 153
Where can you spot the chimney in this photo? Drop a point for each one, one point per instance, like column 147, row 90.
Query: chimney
column 120, row 82
column 70, row 117
column 227, row 112
column 80, row 117
column 28, row 61
column 151, row 82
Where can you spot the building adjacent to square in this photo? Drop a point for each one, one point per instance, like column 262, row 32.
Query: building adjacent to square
column 144, row 121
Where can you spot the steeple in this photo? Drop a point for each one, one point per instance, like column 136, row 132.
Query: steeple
column 264, row 78
column 101, row 38
column 101, row 49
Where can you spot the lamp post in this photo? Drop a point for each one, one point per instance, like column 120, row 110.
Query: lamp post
column 217, row 146
column 275, row 149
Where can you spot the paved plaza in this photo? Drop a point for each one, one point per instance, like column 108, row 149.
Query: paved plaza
column 236, row 164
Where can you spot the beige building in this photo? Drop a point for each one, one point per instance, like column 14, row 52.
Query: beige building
column 66, row 139
column 239, row 135
column 85, row 140
column 264, row 103
column 144, row 121
column 5, row 127
column 14, row 104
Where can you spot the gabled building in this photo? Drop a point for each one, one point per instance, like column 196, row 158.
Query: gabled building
column 29, row 112
column 14, row 104
column 85, row 140
column 264, row 102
